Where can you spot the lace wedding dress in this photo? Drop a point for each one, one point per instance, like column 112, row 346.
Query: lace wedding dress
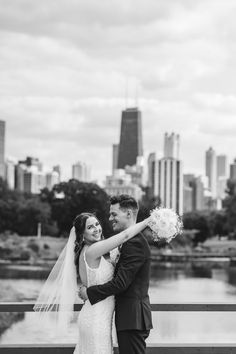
column 95, row 321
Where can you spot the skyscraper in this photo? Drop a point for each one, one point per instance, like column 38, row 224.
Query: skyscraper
column 121, row 183
column 34, row 180
column 170, row 183
column 81, row 171
column 221, row 166
column 199, row 193
column 211, row 171
column 32, row 161
column 52, row 178
column 233, row 170
column 193, row 193
column 221, row 161
column 169, row 175
column 131, row 144
column 115, row 152
column 2, row 148
column 151, row 174
column 29, row 175
column 171, row 146
column 20, row 169
column 57, row 169
column 10, row 173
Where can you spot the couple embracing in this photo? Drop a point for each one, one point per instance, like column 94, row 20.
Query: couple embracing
column 115, row 276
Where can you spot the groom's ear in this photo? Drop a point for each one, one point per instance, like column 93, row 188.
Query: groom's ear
column 129, row 213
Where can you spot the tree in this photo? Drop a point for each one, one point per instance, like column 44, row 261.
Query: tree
column 74, row 197
column 32, row 212
column 217, row 222
column 146, row 204
column 197, row 221
column 21, row 212
column 230, row 207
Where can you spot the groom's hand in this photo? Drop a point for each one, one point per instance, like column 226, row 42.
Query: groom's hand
column 83, row 293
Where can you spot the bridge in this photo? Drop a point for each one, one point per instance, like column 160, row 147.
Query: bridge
column 155, row 348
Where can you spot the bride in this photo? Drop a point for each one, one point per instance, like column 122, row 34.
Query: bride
column 86, row 256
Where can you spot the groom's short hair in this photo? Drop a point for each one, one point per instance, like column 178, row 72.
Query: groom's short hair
column 126, row 202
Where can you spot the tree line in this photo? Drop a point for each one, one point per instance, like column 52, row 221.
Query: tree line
column 56, row 209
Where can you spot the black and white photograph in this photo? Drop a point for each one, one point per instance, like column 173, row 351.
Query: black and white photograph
column 117, row 177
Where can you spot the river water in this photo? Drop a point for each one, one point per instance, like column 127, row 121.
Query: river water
column 167, row 285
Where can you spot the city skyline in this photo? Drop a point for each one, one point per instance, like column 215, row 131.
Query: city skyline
column 160, row 154
column 65, row 72
column 164, row 176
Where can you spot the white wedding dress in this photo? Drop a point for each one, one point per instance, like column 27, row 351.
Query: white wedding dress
column 95, row 321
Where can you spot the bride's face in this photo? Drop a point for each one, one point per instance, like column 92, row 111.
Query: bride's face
column 92, row 231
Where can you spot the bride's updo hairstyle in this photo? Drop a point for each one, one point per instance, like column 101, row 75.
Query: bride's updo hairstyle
column 79, row 224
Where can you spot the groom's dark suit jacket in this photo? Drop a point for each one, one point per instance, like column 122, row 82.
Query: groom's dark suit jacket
column 130, row 286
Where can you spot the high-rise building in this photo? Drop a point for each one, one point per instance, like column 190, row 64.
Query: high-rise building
column 221, row 166
column 131, row 144
column 188, row 193
column 171, row 146
column 170, row 183
column 221, row 187
column 10, row 173
column 52, row 178
column 29, row 176
column 187, row 199
column 115, row 152
column 81, row 171
column 32, row 161
column 20, row 169
column 57, row 169
column 211, row 171
column 169, row 175
column 233, row 170
column 199, row 193
column 2, row 148
column 136, row 171
column 166, row 176
column 121, row 183
column 193, row 193
column 151, row 174
column 222, row 176
column 34, row 180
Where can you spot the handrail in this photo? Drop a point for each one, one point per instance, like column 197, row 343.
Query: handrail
column 152, row 348
column 160, row 348
column 167, row 307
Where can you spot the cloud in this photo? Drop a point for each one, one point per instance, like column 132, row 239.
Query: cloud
column 65, row 65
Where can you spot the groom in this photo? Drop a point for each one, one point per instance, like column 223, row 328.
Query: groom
column 130, row 283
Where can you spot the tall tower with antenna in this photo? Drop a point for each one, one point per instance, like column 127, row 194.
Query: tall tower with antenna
column 131, row 142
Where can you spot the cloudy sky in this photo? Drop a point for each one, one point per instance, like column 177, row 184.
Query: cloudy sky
column 65, row 66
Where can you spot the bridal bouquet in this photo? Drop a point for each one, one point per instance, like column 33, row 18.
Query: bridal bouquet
column 165, row 224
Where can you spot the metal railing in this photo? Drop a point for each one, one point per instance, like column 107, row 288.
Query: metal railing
column 166, row 348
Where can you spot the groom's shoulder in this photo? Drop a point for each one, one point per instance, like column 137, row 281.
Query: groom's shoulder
column 137, row 244
column 136, row 240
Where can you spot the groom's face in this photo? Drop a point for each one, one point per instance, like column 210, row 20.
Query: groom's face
column 119, row 218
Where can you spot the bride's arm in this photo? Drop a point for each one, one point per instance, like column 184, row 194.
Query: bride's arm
column 100, row 248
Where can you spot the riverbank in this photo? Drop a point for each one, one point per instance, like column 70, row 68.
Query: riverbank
column 33, row 258
column 33, row 250
column 30, row 250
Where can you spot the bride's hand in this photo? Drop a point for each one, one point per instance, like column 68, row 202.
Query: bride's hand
column 83, row 293
column 147, row 221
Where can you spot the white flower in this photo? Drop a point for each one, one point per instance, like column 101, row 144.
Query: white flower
column 165, row 224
